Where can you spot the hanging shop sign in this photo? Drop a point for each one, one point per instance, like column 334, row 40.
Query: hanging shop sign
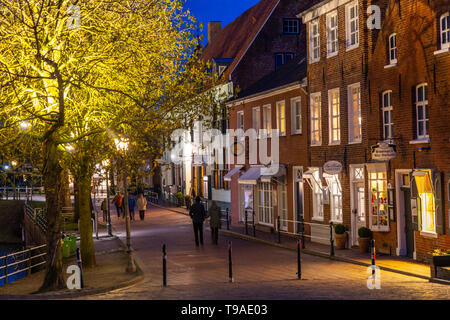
column 384, row 151
column 332, row 167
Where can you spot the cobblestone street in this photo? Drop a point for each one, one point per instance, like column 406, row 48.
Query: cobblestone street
column 259, row 271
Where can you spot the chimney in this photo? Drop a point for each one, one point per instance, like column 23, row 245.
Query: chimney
column 214, row 27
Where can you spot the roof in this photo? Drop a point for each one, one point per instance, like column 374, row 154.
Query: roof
column 291, row 72
column 233, row 41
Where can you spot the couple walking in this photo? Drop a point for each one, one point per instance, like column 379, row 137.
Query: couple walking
column 198, row 215
column 141, row 204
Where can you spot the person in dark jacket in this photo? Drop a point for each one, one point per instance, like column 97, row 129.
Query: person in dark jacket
column 214, row 221
column 198, row 215
column 131, row 205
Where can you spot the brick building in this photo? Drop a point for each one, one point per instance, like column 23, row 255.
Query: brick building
column 409, row 76
column 338, row 46
column 276, row 102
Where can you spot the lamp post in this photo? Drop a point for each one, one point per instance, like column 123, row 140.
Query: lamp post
column 14, row 164
column 105, row 164
column 122, row 147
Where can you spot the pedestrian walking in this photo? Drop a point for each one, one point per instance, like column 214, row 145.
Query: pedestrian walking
column 198, row 215
column 142, row 206
column 214, row 222
column 104, row 208
column 131, row 205
column 117, row 200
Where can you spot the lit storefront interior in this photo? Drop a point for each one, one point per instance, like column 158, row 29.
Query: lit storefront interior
column 422, row 191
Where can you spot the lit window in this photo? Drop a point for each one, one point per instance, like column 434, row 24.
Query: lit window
column 352, row 24
column 445, row 31
column 393, row 49
column 378, row 200
column 388, row 122
column 316, row 121
column 267, row 120
column 334, row 185
column 334, row 116
column 256, row 119
column 281, row 118
column 265, row 203
column 296, row 115
column 426, row 202
column 354, row 113
column 332, row 34
column 291, row 26
column 318, row 195
column 282, row 202
column 314, row 41
column 422, row 111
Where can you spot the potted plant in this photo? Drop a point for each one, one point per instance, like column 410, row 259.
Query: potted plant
column 340, row 236
column 180, row 198
column 364, row 235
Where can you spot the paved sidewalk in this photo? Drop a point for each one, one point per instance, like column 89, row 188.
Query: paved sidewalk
column 390, row 263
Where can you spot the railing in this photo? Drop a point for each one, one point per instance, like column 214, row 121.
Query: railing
column 21, row 261
column 20, row 193
column 152, row 196
column 37, row 216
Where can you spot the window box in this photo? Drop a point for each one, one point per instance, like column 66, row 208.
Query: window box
column 391, row 65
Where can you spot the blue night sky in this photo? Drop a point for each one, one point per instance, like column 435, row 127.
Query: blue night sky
column 217, row 10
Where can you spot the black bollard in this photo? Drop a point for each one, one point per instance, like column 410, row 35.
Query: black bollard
column 228, row 221
column 246, row 221
column 278, row 228
column 253, row 221
column 80, row 265
column 299, row 263
column 164, row 265
column 230, row 262
column 372, row 252
column 331, row 240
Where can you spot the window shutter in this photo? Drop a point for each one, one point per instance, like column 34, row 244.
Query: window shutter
column 414, row 116
column 415, row 214
column 440, row 220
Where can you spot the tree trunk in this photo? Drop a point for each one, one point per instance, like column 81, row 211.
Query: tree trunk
column 54, row 278
column 76, row 204
column 84, row 202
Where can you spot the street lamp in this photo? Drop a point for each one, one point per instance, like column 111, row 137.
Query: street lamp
column 105, row 164
column 14, row 164
column 122, row 147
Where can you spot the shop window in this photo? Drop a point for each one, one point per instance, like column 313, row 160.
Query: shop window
column 265, row 203
column 334, row 185
column 445, row 31
column 378, row 201
column 426, row 202
column 313, row 178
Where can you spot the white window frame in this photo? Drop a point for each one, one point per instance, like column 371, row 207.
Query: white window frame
column 296, row 116
column 265, row 210
column 387, row 123
column 256, row 120
column 316, row 122
column 221, row 70
column 351, row 114
column 332, row 31
column 380, row 200
column 444, row 31
column 316, row 183
column 332, row 116
column 335, row 189
column 314, row 50
column 293, row 24
column 267, row 120
column 424, row 105
column 348, row 23
column 393, row 49
column 240, row 120
column 281, row 117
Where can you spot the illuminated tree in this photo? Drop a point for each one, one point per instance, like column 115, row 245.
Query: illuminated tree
column 83, row 71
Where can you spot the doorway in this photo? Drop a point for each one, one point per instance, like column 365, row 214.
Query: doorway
column 409, row 228
column 359, row 212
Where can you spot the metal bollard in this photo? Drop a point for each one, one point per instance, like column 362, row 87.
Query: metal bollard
column 278, row 228
column 372, row 253
column 230, row 261
column 80, row 265
column 246, row 220
column 253, row 222
column 331, row 240
column 164, row 265
column 228, row 221
column 299, row 263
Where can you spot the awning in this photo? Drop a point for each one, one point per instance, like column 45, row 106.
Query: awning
column 231, row 173
column 268, row 173
column 251, row 176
